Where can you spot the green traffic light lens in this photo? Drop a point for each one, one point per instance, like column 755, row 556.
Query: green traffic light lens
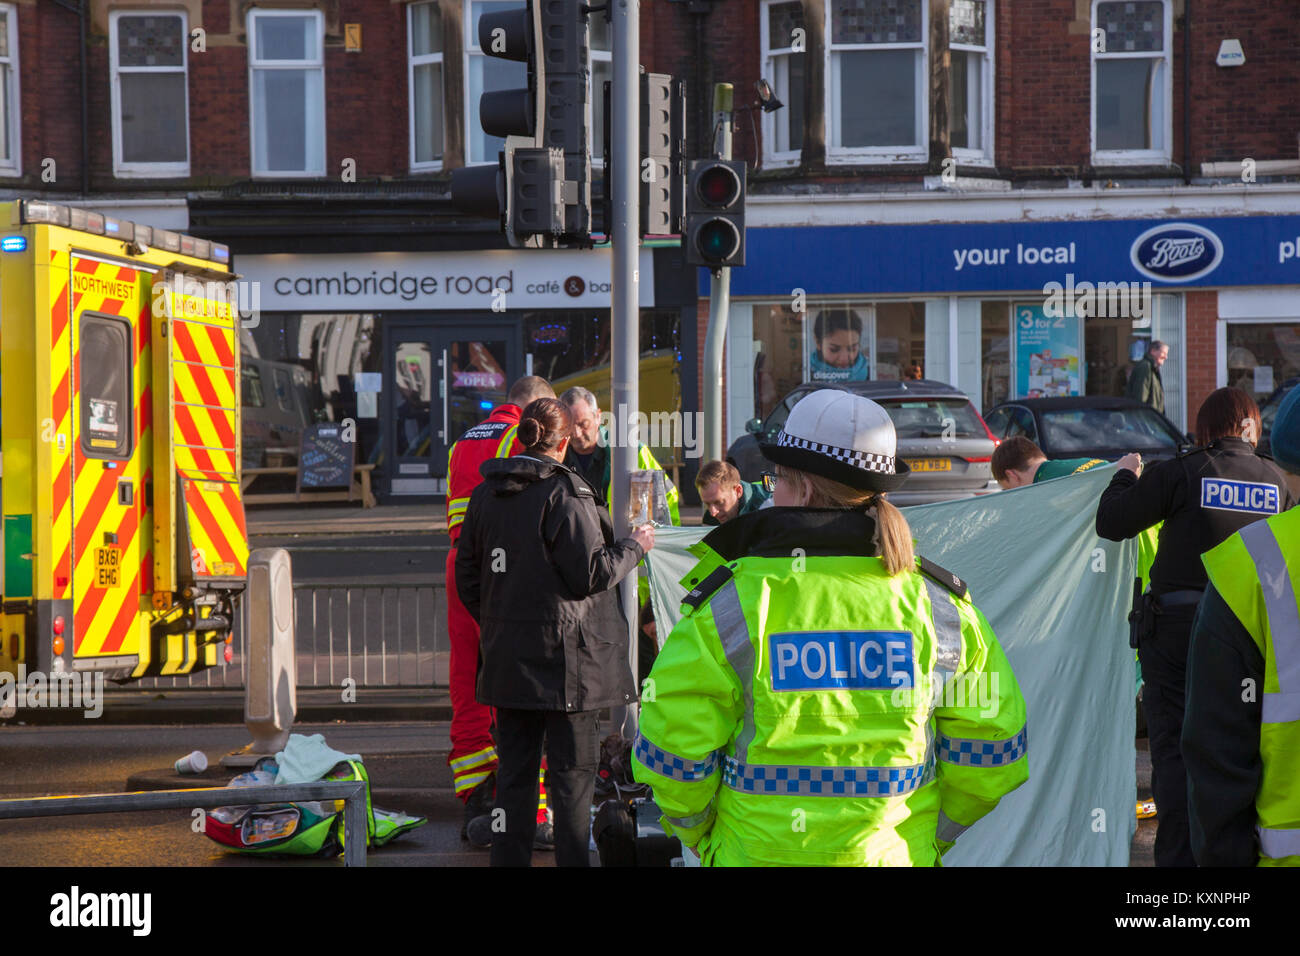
column 718, row 240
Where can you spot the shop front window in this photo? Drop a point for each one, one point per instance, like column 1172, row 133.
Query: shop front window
column 778, row 355
column 301, row 369
column 995, row 353
column 1262, row 356
column 900, row 341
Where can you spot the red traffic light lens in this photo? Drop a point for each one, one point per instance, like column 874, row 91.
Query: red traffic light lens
column 718, row 186
column 717, row 240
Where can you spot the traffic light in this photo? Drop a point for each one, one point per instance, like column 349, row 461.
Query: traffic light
column 540, row 199
column 662, row 167
column 714, row 233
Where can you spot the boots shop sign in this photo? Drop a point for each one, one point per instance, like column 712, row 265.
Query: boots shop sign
column 495, row 280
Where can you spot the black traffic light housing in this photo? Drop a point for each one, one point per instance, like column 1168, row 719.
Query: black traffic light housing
column 714, row 233
column 541, row 201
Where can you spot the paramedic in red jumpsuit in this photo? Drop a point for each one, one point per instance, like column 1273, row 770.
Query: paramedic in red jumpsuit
column 473, row 757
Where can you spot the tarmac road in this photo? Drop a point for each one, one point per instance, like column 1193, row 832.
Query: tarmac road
column 406, row 763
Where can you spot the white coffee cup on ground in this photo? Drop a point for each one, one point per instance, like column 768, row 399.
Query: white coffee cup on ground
column 196, row 762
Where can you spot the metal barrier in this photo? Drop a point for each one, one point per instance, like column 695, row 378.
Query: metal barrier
column 393, row 636
column 352, row 792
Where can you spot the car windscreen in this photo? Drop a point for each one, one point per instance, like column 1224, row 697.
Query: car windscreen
column 1118, row 430
column 934, row 418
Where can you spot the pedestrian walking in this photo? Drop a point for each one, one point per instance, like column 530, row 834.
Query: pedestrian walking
column 1203, row 496
column 1241, row 735
column 795, row 716
column 473, row 756
column 1144, row 383
column 537, row 568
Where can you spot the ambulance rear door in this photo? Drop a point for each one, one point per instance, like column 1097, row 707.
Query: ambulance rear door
column 111, row 455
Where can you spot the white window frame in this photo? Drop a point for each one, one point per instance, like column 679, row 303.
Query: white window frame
column 982, row 157
column 121, row 168
column 318, row 63
column 1221, row 342
column 773, row 158
column 14, row 165
column 1137, row 157
column 918, row 153
column 424, row 59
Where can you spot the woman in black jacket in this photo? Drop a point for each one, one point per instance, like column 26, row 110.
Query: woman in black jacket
column 536, row 568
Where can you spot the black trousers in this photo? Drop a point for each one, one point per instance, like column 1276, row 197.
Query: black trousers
column 572, row 753
column 1164, row 674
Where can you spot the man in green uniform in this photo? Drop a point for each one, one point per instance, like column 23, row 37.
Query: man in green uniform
column 1018, row 462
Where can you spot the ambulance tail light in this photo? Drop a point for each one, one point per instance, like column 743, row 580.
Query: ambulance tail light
column 58, row 626
column 36, row 211
column 56, row 645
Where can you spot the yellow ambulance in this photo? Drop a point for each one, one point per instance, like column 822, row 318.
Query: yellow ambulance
column 124, row 537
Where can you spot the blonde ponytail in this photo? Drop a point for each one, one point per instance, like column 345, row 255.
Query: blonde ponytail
column 893, row 537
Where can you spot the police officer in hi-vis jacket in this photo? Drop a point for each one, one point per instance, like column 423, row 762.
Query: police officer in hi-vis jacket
column 797, row 714
column 1203, row 496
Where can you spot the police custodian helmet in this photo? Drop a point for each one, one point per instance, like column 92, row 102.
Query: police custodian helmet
column 840, row 436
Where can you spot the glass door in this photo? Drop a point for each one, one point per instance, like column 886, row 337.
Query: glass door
column 444, row 381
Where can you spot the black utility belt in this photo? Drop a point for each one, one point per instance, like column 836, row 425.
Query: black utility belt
column 1177, row 598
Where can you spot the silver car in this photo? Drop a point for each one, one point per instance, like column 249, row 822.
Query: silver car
column 941, row 436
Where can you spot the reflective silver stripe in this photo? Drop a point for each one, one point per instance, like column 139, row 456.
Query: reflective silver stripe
column 685, row 823
column 822, row 781
column 1283, row 620
column 1276, row 844
column 670, row 765
column 949, row 829
column 729, row 618
column 983, row 753
column 947, row 632
column 1280, row 708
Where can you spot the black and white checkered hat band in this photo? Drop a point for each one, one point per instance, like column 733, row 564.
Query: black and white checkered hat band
column 866, row 460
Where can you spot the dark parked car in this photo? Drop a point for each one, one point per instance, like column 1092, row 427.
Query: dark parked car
column 940, row 435
column 1268, row 411
column 1092, row 426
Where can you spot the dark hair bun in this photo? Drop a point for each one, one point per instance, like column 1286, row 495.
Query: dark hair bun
column 545, row 423
column 530, row 432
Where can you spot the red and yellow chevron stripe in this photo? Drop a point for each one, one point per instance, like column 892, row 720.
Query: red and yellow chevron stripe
column 203, row 375
column 106, row 533
column 59, row 427
column 214, row 515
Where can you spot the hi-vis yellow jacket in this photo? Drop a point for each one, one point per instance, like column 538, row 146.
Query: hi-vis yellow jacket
column 814, row 710
column 1257, row 573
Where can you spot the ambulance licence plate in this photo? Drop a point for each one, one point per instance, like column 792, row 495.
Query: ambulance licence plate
column 107, row 563
column 929, row 464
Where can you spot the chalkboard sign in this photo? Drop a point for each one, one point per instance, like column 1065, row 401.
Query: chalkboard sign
column 324, row 459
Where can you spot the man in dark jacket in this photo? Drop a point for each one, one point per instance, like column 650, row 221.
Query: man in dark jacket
column 536, row 568
column 1145, row 384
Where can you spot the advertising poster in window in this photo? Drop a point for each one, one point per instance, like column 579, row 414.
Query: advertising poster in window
column 1047, row 354
column 837, row 346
